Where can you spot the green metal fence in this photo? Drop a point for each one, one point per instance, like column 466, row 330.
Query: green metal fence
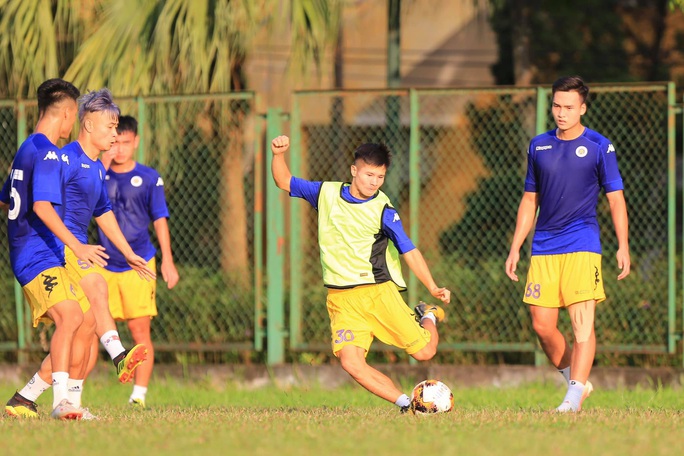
column 205, row 148
column 245, row 251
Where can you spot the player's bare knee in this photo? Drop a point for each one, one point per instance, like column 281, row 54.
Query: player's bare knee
column 543, row 328
column 582, row 318
column 425, row 354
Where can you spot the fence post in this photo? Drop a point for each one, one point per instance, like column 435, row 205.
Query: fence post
column 259, row 314
column 22, row 356
column 296, row 254
column 414, row 188
column 275, row 243
column 540, row 127
column 141, row 130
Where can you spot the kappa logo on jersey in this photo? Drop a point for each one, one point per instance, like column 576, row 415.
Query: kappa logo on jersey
column 136, row 181
column 610, row 149
column 396, row 217
column 581, row 151
column 51, row 155
column 65, row 158
column 543, row 147
column 50, row 282
column 160, row 182
column 85, row 165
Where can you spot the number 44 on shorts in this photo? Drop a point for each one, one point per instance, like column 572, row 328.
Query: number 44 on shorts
column 533, row 290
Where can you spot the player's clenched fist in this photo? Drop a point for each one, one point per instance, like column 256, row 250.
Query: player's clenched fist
column 280, row 145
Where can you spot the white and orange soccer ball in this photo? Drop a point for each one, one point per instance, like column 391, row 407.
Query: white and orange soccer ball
column 431, row 396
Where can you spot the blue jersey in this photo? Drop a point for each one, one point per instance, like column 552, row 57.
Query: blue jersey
column 568, row 176
column 86, row 196
column 137, row 199
column 391, row 223
column 37, row 175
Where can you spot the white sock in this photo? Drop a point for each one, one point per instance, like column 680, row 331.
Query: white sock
column 139, row 392
column 74, row 391
column 60, row 386
column 112, row 343
column 566, row 374
column 573, row 397
column 430, row 316
column 34, row 388
column 403, row 401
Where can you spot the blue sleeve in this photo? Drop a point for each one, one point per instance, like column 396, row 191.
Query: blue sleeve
column 531, row 178
column 47, row 178
column 157, row 200
column 308, row 190
column 5, row 193
column 393, row 229
column 103, row 204
column 609, row 174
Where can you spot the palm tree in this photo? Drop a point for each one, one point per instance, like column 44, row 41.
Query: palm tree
column 199, row 46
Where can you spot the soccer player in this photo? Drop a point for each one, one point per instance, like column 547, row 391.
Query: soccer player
column 86, row 197
column 361, row 267
column 137, row 195
column 566, row 169
column 35, row 195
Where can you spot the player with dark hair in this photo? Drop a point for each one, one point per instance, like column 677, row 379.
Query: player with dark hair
column 566, row 169
column 137, row 195
column 86, row 197
column 360, row 236
column 35, row 194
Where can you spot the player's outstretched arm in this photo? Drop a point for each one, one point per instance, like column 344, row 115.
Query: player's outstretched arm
column 110, row 227
column 93, row 254
column 168, row 267
column 281, row 173
column 527, row 211
column 416, row 262
column 618, row 211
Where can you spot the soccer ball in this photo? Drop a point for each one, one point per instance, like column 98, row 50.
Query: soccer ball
column 431, row 396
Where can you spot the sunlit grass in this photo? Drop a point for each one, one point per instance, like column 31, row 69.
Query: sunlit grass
column 199, row 417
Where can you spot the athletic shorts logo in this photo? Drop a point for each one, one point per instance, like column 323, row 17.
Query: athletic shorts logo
column 136, row 181
column 597, row 277
column 50, row 282
column 581, row 151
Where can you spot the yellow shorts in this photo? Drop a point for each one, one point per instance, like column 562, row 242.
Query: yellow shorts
column 565, row 279
column 46, row 290
column 129, row 295
column 359, row 314
column 77, row 269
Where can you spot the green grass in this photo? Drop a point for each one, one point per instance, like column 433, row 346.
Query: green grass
column 199, row 418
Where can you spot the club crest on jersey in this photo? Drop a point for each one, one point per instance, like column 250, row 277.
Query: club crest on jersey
column 136, row 181
column 581, row 151
column 51, row 155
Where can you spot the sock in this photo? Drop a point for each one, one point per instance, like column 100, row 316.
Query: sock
column 111, row 342
column 139, row 392
column 430, row 316
column 566, row 374
column 59, row 387
column 403, row 401
column 34, row 388
column 74, row 391
column 571, row 402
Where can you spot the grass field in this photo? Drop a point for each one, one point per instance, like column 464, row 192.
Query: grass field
column 195, row 418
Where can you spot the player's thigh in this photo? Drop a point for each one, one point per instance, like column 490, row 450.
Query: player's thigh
column 114, row 293
column 542, row 287
column 138, row 296
column 394, row 323
column 348, row 324
column 49, row 290
column 87, row 276
column 582, row 278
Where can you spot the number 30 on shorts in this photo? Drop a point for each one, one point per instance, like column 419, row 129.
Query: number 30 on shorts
column 533, row 290
column 344, row 335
